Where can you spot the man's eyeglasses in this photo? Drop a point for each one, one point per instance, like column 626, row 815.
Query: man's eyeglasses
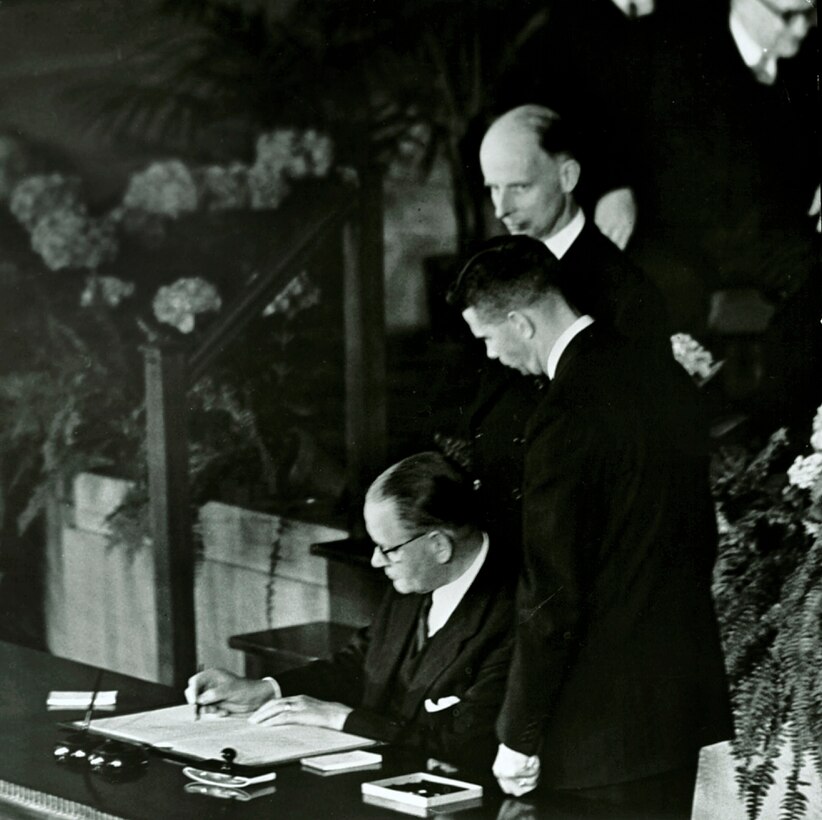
column 388, row 550
column 787, row 16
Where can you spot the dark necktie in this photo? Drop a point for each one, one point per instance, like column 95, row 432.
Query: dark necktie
column 422, row 622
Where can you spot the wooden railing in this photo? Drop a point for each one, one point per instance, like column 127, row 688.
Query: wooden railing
column 352, row 217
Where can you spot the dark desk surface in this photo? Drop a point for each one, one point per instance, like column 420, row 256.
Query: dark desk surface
column 29, row 732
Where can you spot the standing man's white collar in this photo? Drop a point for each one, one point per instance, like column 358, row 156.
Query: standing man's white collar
column 564, row 340
column 754, row 56
column 559, row 243
column 445, row 599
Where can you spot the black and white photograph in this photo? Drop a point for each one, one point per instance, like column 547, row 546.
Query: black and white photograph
column 431, row 388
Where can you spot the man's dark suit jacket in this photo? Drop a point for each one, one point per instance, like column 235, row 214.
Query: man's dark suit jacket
column 599, row 280
column 468, row 658
column 617, row 672
column 731, row 164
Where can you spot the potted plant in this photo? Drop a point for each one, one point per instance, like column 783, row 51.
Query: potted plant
column 768, row 589
column 92, row 288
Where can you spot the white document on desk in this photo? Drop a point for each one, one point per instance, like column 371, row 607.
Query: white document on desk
column 175, row 730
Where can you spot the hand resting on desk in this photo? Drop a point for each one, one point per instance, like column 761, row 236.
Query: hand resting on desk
column 302, row 709
column 217, row 690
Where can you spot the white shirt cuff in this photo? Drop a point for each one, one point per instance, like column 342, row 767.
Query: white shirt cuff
column 278, row 693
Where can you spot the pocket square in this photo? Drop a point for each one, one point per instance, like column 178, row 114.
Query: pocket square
column 442, row 703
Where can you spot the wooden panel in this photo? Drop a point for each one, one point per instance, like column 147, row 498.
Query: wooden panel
column 364, row 311
column 167, row 446
column 233, row 599
column 100, row 606
column 233, row 535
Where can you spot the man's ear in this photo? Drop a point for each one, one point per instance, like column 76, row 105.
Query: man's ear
column 569, row 171
column 442, row 547
column 522, row 323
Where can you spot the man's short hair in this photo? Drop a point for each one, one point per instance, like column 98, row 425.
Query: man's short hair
column 554, row 135
column 429, row 492
column 505, row 273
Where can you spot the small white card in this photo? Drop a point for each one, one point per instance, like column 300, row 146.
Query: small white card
column 342, row 762
column 58, row 699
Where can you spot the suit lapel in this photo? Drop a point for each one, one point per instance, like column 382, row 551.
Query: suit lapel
column 391, row 646
column 464, row 623
column 577, row 349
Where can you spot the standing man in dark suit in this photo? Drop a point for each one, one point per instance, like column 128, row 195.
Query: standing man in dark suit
column 430, row 671
column 728, row 193
column 531, row 171
column 617, row 678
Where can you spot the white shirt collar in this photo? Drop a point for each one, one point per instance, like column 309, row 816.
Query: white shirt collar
column 564, row 340
column 640, row 7
column 559, row 243
column 751, row 52
column 445, row 599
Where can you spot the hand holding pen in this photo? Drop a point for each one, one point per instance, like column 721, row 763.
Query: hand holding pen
column 217, row 690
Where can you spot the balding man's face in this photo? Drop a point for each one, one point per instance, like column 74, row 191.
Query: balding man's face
column 529, row 189
column 412, row 567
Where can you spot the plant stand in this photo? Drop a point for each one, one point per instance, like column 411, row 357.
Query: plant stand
column 716, row 794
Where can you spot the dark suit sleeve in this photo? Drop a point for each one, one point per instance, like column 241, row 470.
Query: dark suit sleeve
column 561, row 514
column 463, row 732
column 341, row 678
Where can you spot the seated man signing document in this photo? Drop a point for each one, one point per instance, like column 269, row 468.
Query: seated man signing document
column 430, row 671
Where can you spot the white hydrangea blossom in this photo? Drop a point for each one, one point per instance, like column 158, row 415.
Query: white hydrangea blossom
column 38, row 196
column 299, row 294
column 805, row 471
column 319, row 151
column 696, row 360
column 281, row 152
column 165, row 188
column 109, row 289
column 284, row 155
column 69, row 238
column 225, row 188
column 268, row 187
column 179, row 303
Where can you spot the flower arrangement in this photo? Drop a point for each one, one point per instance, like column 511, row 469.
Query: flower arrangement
column 768, row 593
column 164, row 188
column 63, row 234
column 177, row 304
column 768, row 589
column 75, row 398
column 697, row 361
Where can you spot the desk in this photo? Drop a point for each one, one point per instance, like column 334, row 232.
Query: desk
column 29, row 732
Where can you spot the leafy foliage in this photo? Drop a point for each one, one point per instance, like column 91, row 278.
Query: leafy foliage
column 768, row 587
column 415, row 76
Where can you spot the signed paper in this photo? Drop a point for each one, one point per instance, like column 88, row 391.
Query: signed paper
column 174, row 729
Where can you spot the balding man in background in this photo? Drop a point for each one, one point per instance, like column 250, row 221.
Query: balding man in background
column 531, row 170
